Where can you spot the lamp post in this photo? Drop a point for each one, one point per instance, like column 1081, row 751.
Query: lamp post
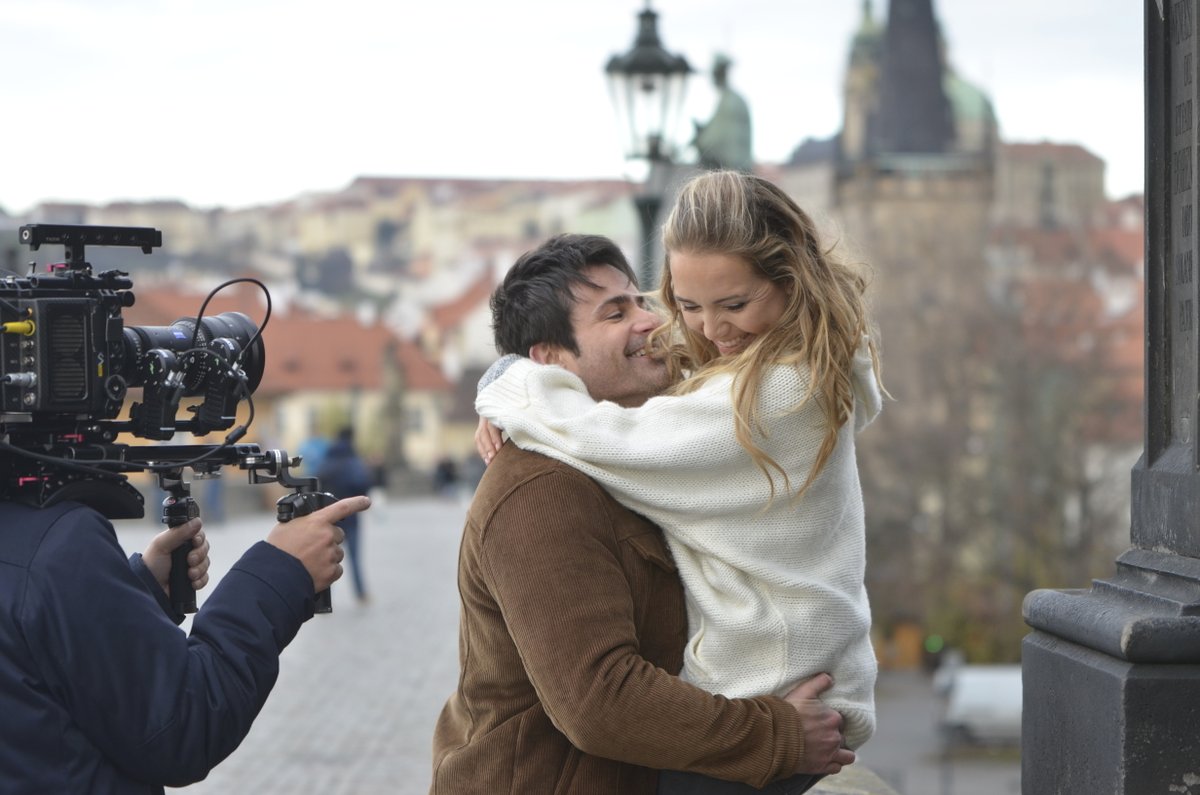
column 647, row 85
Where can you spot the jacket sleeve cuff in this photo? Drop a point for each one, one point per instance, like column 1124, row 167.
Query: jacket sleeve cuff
column 495, row 371
column 284, row 575
column 789, row 736
column 143, row 573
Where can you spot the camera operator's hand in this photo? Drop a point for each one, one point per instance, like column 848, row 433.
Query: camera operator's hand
column 316, row 539
column 157, row 556
column 823, row 740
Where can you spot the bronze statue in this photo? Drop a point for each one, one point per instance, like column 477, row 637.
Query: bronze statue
column 724, row 142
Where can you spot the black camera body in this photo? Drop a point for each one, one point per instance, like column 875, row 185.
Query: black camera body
column 68, row 361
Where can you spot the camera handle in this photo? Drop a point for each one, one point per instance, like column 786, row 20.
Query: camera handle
column 269, row 466
column 274, row 466
column 178, row 508
column 302, row 503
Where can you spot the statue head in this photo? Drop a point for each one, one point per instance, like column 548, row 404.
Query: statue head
column 720, row 69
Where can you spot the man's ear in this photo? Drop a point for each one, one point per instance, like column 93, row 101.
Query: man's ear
column 545, row 353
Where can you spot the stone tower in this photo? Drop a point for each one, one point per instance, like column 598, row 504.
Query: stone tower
column 914, row 201
column 908, row 190
column 914, row 113
column 861, row 86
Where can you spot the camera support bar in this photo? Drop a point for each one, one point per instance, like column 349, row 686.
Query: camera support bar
column 67, row 359
column 74, row 238
column 263, row 466
column 93, row 474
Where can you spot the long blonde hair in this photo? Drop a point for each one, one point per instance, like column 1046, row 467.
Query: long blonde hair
column 823, row 322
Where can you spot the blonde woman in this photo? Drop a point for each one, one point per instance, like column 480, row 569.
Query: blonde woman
column 748, row 462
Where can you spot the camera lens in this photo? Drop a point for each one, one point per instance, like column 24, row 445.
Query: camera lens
column 177, row 337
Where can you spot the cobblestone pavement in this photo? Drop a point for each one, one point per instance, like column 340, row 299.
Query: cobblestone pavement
column 359, row 690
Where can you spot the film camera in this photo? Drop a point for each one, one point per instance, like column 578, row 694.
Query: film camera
column 67, row 363
column 68, row 359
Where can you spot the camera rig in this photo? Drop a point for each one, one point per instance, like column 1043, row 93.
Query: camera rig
column 67, row 363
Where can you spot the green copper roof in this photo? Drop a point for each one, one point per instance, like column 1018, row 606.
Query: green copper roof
column 967, row 101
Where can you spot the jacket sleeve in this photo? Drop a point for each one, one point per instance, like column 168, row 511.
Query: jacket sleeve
column 558, row 579
column 138, row 566
column 163, row 707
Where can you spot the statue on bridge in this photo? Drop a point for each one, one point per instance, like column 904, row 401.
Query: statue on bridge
column 724, row 141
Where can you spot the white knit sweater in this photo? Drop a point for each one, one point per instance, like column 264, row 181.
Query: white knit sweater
column 774, row 589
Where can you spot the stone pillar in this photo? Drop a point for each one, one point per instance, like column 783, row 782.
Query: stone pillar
column 1112, row 674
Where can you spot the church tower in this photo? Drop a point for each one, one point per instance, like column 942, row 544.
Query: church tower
column 913, row 181
column 861, row 87
column 914, row 113
column 902, row 98
column 913, row 198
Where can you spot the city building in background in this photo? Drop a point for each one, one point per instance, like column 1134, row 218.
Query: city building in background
column 1006, row 285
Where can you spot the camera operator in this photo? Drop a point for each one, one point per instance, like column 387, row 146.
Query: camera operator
column 100, row 691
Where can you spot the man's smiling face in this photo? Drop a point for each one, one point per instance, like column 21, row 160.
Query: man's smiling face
column 611, row 325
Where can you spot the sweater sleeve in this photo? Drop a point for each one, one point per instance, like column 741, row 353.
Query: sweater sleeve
column 662, row 458
column 163, row 707
column 558, row 580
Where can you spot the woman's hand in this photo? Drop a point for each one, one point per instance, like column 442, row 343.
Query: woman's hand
column 488, row 440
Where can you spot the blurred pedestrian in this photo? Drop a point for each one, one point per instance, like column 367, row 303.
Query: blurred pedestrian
column 343, row 473
column 312, row 453
column 445, row 477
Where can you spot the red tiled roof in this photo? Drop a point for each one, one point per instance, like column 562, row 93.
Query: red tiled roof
column 340, row 353
column 1125, row 246
column 451, row 314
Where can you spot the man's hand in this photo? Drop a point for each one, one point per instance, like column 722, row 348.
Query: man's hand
column 157, row 556
column 823, row 739
column 315, row 539
column 488, row 440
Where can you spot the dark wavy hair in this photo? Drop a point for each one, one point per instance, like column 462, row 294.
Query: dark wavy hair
column 533, row 304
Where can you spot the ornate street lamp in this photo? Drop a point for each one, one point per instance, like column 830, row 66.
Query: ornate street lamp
column 648, row 85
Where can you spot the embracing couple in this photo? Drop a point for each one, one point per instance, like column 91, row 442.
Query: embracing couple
column 661, row 572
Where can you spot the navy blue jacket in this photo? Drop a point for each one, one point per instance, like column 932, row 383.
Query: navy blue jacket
column 100, row 692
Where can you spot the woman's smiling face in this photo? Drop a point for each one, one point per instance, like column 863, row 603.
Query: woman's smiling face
column 725, row 299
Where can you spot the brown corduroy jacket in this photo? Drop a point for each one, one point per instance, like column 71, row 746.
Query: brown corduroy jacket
column 572, row 626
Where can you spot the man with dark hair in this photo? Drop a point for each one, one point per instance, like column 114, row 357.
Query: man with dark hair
column 532, row 306
column 534, row 314
column 573, row 619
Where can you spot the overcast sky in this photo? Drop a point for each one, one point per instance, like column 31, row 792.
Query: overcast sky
column 239, row 102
